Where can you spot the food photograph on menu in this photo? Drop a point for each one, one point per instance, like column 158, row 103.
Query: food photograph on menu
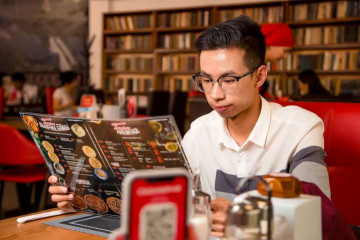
column 92, row 157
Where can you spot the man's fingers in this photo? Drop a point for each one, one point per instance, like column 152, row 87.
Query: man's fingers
column 64, row 205
column 217, row 234
column 60, row 194
column 57, row 190
column 218, row 224
column 218, row 227
column 61, row 198
column 219, row 218
column 220, row 204
column 52, row 179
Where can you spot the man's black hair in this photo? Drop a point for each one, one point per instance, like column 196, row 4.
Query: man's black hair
column 67, row 77
column 18, row 77
column 240, row 32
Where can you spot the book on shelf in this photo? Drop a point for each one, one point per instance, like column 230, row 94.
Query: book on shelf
column 196, row 18
column 339, row 60
column 127, row 62
column 350, row 87
column 274, row 85
column 348, row 33
column 129, row 83
column 179, row 62
column 336, row 86
column 176, row 83
column 292, row 87
column 310, row 61
column 164, row 83
column 275, row 65
column 325, row 10
column 129, row 42
column 177, row 40
column 128, row 22
column 266, row 14
column 333, row 85
column 327, row 46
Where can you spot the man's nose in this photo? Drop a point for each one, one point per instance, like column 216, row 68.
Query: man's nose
column 217, row 92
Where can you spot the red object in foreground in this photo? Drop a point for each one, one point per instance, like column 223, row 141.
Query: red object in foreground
column 2, row 98
column 334, row 225
column 21, row 163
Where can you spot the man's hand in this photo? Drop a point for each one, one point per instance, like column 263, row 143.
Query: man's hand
column 60, row 194
column 219, row 207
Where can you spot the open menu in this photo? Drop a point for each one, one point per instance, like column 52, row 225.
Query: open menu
column 92, row 157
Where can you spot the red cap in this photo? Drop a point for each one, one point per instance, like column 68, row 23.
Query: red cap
column 277, row 34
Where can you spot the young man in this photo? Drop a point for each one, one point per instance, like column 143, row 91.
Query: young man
column 245, row 135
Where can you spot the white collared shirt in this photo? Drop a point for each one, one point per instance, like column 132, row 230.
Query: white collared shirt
column 284, row 139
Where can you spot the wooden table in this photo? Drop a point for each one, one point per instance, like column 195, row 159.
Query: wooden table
column 10, row 229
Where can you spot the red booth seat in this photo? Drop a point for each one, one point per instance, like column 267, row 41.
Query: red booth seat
column 342, row 145
column 1, row 101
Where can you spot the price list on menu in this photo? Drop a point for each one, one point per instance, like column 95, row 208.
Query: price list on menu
column 92, row 157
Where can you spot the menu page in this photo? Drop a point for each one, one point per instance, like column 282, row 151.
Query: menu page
column 92, row 157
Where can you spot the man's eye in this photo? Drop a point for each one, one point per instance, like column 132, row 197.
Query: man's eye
column 229, row 80
column 204, row 80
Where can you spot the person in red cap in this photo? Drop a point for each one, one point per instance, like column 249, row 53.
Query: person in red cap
column 279, row 40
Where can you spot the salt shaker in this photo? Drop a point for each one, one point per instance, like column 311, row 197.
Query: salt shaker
column 201, row 213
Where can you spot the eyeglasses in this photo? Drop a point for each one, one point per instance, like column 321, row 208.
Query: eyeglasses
column 229, row 84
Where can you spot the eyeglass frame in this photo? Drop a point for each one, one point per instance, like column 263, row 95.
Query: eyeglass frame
column 251, row 71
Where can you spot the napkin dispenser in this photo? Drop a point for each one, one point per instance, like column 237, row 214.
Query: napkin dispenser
column 250, row 217
column 88, row 107
column 294, row 218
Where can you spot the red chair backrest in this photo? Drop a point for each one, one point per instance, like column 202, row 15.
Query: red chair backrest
column 195, row 93
column 49, row 101
column 16, row 149
column 1, row 101
column 342, row 145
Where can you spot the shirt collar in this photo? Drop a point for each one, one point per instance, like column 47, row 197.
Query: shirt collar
column 224, row 136
column 258, row 134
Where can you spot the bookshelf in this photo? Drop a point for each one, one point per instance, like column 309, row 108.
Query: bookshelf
column 327, row 40
column 128, row 44
column 264, row 12
column 153, row 50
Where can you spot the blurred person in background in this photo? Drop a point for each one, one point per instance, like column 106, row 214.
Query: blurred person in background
column 64, row 97
column 310, row 85
column 21, row 92
column 279, row 40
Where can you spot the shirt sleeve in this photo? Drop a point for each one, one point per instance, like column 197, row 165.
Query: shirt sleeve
column 308, row 162
column 188, row 144
column 57, row 94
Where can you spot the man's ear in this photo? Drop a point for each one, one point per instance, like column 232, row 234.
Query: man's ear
column 261, row 75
